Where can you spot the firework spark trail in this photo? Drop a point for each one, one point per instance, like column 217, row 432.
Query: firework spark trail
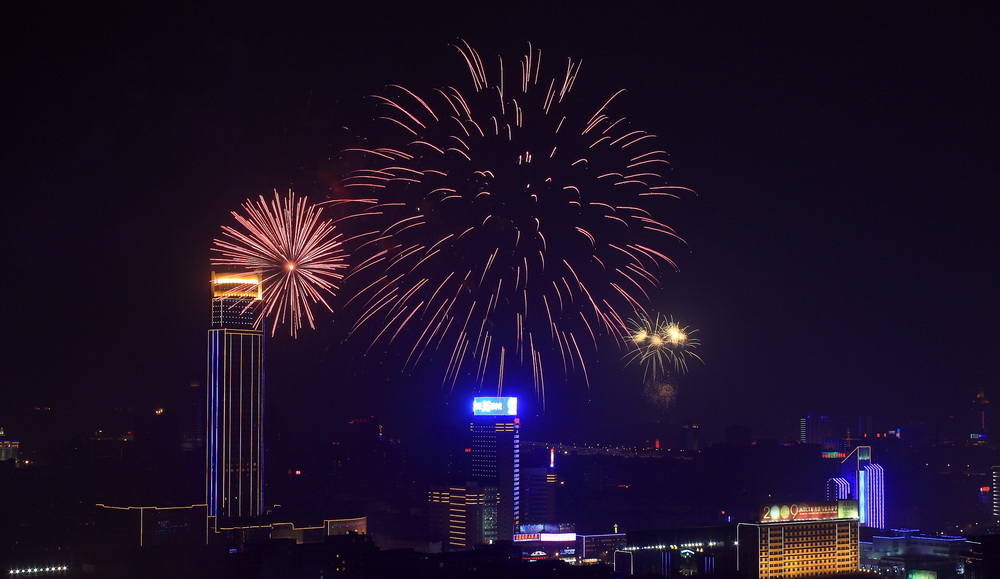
column 299, row 254
column 658, row 343
column 532, row 222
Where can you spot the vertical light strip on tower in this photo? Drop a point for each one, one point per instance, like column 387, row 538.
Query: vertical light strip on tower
column 874, row 508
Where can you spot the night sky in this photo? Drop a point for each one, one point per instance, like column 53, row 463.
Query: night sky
column 842, row 255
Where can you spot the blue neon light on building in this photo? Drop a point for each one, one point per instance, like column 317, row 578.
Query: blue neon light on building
column 866, row 483
column 235, row 400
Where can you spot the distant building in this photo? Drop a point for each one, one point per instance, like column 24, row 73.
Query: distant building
column 865, row 429
column 864, row 481
column 801, row 540
column 867, row 483
column 252, row 535
column 982, row 560
column 192, row 413
column 235, row 399
column 538, row 495
column 495, row 450
column 462, row 516
column 10, row 450
column 817, row 429
column 681, row 552
column 599, row 548
column 906, row 553
column 995, row 492
column 151, row 526
column 690, row 437
column 317, row 533
column 551, row 541
column 980, row 420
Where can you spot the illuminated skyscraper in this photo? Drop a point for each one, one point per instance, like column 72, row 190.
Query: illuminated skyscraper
column 235, row 409
column 867, row 485
column 496, row 458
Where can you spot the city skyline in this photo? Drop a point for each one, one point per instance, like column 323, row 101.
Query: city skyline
column 838, row 249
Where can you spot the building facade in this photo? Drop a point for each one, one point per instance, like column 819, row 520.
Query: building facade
column 10, row 450
column 864, row 481
column 235, row 399
column 906, row 553
column 153, row 526
column 801, row 540
column 817, row 429
column 679, row 552
column 538, row 495
column 495, row 448
column 462, row 516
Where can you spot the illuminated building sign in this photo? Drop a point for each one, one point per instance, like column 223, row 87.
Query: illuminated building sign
column 815, row 511
column 494, row 406
column 555, row 537
column 544, row 537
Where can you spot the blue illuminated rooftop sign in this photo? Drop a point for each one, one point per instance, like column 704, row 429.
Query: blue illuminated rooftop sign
column 494, row 406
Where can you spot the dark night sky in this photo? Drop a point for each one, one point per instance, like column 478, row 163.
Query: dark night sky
column 842, row 250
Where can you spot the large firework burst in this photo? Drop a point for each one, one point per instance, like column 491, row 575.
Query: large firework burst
column 659, row 343
column 513, row 231
column 299, row 254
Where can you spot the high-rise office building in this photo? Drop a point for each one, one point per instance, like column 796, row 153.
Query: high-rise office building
column 866, row 483
column 538, row 495
column 235, row 399
column 980, row 420
column 496, row 457
column 817, row 429
column 801, row 540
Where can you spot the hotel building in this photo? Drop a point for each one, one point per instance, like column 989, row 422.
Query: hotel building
column 801, row 540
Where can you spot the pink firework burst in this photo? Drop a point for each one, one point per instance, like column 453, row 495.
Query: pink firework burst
column 510, row 230
column 298, row 253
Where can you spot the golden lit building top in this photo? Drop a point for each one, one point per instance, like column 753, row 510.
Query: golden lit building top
column 236, row 285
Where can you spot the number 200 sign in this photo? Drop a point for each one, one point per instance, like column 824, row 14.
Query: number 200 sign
column 800, row 512
column 779, row 513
